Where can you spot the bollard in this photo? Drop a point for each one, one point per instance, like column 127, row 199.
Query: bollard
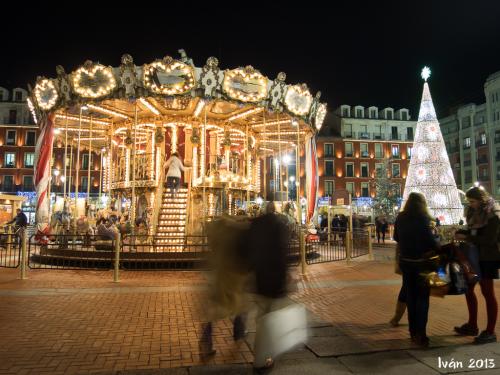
column 24, row 257
column 116, row 275
column 370, row 245
column 348, row 244
column 302, row 244
column 9, row 239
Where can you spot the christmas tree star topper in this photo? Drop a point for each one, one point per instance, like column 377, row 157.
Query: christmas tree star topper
column 426, row 73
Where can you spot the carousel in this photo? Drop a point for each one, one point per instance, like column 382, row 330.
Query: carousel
column 232, row 129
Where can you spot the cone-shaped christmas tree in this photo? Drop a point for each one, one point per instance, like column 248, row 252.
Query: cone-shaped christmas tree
column 430, row 171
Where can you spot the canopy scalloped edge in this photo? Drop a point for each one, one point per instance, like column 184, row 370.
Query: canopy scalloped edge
column 168, row 77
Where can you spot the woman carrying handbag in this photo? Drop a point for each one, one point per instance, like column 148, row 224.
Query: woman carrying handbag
column 412, row 232
column 483, row 222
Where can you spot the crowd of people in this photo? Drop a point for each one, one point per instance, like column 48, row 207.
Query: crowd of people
column 418, row 244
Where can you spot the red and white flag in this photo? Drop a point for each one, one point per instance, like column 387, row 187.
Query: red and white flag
column 43, row 156
column 311, row 177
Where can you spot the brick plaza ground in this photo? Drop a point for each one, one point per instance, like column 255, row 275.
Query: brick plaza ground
column 80, row 322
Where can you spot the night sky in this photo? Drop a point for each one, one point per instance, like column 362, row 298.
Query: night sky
column 355, row 53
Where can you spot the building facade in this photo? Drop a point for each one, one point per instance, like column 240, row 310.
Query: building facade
column 361, row 141
column 18, row 136
column 472, row 138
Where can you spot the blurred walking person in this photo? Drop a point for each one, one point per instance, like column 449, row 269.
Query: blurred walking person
column 483, row 222
column 268, row 248
column 415, row 239
column 227, row 238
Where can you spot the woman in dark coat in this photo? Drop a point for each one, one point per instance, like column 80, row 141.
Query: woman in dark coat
column 412, row 232
column 483, row 224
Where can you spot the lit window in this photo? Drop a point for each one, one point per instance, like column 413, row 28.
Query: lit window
column 29, row 159
column 364, row 150
column 329, row 187
column 395, row 151
column 10, row 160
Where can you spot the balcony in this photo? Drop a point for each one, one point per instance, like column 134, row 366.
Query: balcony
column 363, row 135
column 481, row 144
column 466, row 147
column 365, row 154
column 467, row 163
column 396, row 137
column 378, row 136
column 349, row 154
column 396, row 156
column 348, row 135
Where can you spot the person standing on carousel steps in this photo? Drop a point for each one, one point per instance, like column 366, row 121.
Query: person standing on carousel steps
column 174, row 167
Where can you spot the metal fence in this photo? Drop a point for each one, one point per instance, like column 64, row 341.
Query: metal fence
column 143, row 252
column 68, row 251
column 10, row 249
column 360, row 242
column 329, row 248
column 146, row 252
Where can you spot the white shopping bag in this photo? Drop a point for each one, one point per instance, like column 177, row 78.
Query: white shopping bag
column 279, row 331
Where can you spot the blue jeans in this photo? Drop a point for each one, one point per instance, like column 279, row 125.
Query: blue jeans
column 417, row 298
column 173, row 183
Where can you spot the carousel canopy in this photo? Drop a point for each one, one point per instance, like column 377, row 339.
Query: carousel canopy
column 103, row 102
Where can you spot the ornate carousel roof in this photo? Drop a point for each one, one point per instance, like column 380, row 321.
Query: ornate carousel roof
column 174, row 91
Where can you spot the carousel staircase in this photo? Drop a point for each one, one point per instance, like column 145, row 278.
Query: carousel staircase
column 171, row 227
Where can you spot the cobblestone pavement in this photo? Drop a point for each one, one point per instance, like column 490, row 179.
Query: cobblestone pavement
column 80, row 322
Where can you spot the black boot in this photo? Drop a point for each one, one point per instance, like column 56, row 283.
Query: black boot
column 239, row 327
column 206, row 343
